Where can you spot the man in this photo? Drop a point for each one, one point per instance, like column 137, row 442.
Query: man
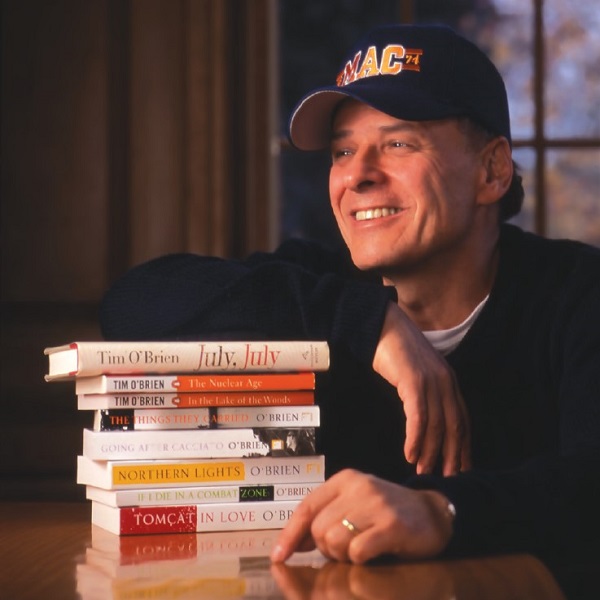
column 461, row 413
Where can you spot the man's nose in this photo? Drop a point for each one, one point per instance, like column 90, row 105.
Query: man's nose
column 363, row 170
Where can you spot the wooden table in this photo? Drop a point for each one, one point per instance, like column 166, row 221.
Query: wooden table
column 51, row 551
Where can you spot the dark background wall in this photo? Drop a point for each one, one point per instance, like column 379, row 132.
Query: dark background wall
column 123, row 125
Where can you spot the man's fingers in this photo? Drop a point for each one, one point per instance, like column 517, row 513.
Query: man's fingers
column 415, row 410
column 455, row 434
column 296, row 535
column 367, row 546
column 437, row 424
column 434, row 438
column 465, row 457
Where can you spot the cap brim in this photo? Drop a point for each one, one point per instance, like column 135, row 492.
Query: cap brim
column 311, row 121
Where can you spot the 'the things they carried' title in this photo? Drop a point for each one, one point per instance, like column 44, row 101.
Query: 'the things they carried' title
column 96, row 358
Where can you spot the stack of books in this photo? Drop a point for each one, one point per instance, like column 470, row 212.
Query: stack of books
column 195, row 436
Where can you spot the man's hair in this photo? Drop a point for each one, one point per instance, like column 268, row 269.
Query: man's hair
column 511, row 203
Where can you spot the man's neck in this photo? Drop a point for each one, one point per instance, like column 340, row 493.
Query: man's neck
column 445, row 294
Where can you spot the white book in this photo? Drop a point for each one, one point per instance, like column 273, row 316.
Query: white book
column 84, row 359
column 199, row 472
column 210, row 494
column 206, row 418
column 138, row 520
column 207, row 443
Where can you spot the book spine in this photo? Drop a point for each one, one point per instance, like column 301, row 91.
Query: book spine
column 113, row 475
column 183, row 400
column 96, row 358
column 208, row 443
column 205, row 418
column 192, row 518
column 159, row 384
column 201, row 495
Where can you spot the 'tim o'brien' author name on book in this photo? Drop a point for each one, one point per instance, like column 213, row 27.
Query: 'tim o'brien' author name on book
column 80, row 359
column 158, row 384
column 180, row 401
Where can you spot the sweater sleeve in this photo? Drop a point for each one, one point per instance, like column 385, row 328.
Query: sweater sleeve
column 546, row 506
column 300, row 291
column 547, row 503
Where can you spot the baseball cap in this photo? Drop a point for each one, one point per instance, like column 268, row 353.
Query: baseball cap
column 410, row 72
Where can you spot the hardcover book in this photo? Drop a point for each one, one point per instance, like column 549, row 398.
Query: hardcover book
column 189, row 518
column 210, row 494
column 161, row 384
column 113, row 475
column 206, row 418
column 183, row 400
column 80, row 359
column 208, row 443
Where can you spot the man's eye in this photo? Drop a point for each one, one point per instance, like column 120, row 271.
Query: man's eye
column 398, row 144
column 341, row 153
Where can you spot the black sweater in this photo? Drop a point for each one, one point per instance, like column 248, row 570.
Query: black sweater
column 528, row 369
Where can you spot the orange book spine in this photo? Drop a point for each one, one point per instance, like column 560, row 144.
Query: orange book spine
column 272, row 381
column 192, row 400
column 157, row 384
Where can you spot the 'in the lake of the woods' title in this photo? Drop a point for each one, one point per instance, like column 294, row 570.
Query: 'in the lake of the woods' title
column 262, row 355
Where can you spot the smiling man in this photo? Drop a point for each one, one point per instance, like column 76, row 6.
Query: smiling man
column 461, row 413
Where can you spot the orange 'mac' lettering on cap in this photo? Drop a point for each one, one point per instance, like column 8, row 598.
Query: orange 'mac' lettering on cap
column 369, row 65
column 394, row 58
column 349, row 73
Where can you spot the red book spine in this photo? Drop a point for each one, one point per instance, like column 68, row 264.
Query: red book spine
column 158, row 519
column 136, row 520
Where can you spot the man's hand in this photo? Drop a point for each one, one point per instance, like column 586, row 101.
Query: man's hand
column 384, row 519
column 436, row 418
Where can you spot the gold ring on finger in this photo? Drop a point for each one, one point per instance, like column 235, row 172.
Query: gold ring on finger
column 350, row 526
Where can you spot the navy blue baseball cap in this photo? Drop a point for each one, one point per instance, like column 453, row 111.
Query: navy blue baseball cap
column 413, row 73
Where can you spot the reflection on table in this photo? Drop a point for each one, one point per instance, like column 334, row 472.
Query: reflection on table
column 236, row 565
column 50, row 550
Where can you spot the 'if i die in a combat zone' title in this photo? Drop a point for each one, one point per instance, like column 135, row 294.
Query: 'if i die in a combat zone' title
column 252, row 356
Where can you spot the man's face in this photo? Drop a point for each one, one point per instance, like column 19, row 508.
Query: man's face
column 403, row 192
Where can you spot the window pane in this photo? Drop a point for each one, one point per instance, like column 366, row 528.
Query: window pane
column 572, row 68
column 504, row 30
column 525, row 159
column 573, row 183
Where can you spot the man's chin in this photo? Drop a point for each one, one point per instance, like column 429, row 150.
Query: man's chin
column 372, row 259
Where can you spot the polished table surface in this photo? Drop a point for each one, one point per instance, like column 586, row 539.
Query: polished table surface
column 51, row 551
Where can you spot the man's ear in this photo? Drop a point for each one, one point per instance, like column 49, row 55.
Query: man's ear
column 496, row 171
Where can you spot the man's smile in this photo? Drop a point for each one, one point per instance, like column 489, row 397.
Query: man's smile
column 374, row 213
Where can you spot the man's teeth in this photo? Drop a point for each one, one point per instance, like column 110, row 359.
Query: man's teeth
column 374, row 213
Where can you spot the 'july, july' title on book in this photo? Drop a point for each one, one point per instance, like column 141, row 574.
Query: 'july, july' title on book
column 207, row 359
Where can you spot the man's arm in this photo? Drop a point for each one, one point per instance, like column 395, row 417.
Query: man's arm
column 300, row 291
column 427, row 387
column 533, row 366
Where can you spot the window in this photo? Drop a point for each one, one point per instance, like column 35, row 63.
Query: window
column 547, row 52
